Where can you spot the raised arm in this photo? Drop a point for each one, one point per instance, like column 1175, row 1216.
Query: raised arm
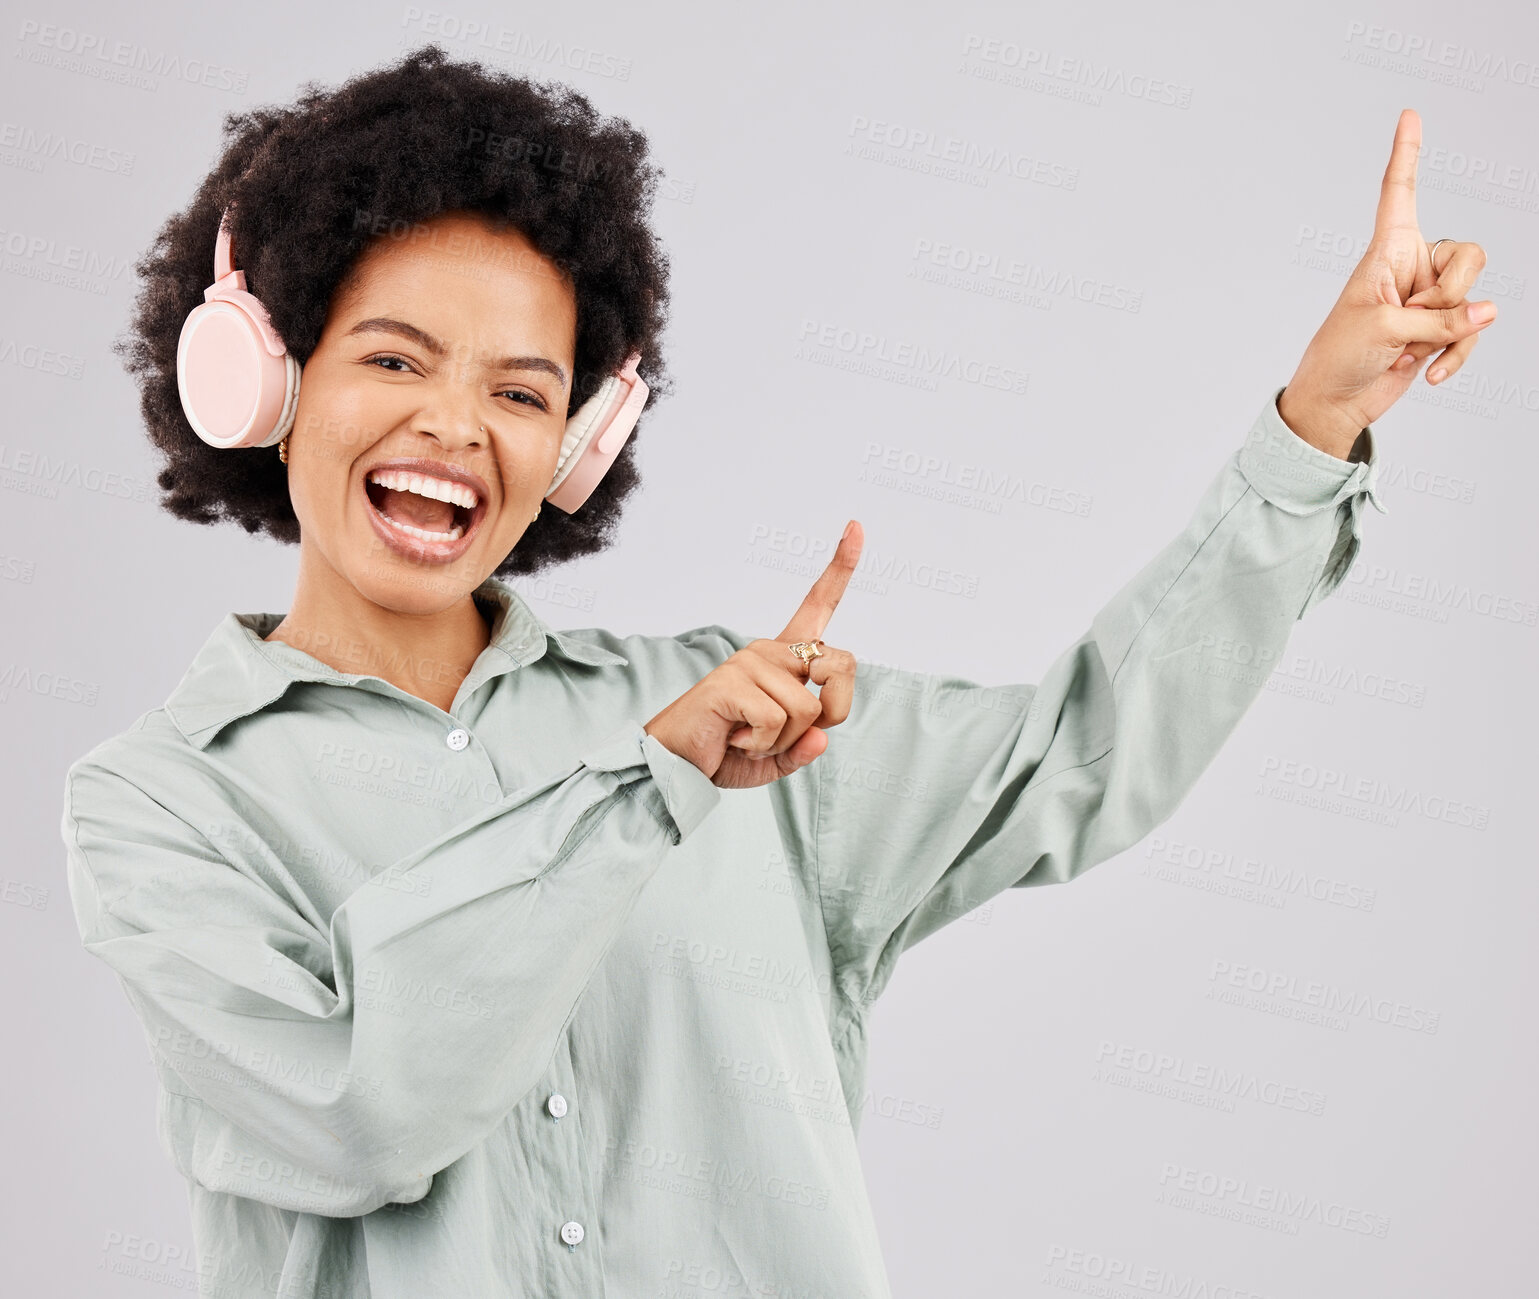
column 937, row 793
column 300, row 1067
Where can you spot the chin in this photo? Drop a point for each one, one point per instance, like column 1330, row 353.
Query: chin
column 401, row 588
column 408, row 584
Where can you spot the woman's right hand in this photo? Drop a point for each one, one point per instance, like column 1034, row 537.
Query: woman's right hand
column 753, row 719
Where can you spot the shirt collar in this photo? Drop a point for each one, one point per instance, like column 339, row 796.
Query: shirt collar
column 237, row 673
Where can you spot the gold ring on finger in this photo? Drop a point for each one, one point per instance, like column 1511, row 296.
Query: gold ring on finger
column 806, row 650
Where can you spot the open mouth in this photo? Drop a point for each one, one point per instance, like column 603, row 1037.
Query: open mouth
column 429, row 508
column 423, row 515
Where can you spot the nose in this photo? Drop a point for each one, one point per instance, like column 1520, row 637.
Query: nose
column 463, row 431
column 454, row 417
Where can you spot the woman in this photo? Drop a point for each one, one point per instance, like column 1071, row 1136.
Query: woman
column 461, row 975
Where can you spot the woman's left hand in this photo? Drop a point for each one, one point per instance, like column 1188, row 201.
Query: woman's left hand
column 1395, row 311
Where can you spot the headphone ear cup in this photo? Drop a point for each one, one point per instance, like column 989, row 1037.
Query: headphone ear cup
column 596, row 434
column 236, row 390
column 292, row 371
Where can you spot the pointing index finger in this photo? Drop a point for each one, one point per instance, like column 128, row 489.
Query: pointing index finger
column 1397, row 193
column 811, row 617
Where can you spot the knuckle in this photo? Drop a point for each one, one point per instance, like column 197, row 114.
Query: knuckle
column 765, row 716
column 840, row 660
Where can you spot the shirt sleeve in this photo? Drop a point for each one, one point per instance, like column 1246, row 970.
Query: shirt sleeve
column 937, row 793
column 334, row 1072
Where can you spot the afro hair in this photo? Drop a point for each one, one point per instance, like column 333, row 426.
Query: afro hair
column 314, row 183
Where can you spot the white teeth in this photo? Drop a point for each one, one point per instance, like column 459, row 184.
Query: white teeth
column 454, row 535
column 437, row 489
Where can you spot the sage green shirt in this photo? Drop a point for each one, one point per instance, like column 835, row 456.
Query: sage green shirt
column 510, row 1000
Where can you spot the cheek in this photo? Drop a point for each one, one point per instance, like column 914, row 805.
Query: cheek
column 334, row 425
column 338, row 420
column 528, row 465
column 318, row 487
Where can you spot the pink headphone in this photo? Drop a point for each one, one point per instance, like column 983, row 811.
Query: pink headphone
column 239, row 385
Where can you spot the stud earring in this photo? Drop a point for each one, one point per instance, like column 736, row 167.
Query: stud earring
column 283, row 449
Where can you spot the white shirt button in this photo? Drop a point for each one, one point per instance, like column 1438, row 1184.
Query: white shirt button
column 571, row 1232
column 458, row 738
column 556, row 1105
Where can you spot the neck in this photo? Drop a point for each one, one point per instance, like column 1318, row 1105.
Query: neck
column 424, row 654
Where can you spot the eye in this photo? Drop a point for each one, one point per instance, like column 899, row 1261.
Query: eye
column 527, row 398
column 534, row 398
column 390, row 356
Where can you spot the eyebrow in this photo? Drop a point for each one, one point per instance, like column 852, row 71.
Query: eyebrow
column 389, row 325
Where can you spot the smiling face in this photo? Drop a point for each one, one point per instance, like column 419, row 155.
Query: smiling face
column 399, row 493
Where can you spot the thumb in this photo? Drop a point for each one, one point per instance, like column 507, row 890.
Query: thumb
column 1402, row 325
column 812, row 743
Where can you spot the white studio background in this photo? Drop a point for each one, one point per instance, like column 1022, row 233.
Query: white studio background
column 1184, row 214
